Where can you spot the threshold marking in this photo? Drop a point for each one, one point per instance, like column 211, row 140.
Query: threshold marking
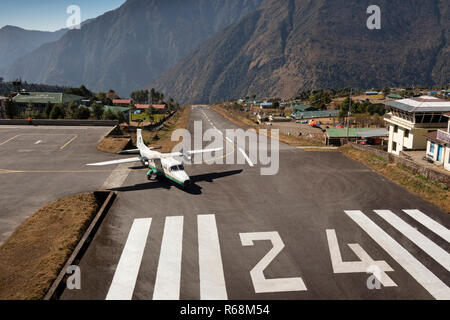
column 431, row 248
column 168, row 276
column 432, row 225
column 212, row 279
column 124, row 281
column 415, row 268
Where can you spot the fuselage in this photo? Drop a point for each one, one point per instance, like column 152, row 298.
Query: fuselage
column 169, row 167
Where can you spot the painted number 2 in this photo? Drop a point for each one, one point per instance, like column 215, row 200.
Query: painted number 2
column 260, row 283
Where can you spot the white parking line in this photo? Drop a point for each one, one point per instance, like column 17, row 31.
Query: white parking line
column 417, row 270
column 431, row 248
column 432, row 225
column 168, row 276
column 212, row 279
column 124, row 281
column 250, row 163
column 229, row 140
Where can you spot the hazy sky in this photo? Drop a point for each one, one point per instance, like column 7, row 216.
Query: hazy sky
column 50, row 15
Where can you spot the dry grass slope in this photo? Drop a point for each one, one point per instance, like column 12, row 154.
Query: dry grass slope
column 433, row 192
column 33, row 256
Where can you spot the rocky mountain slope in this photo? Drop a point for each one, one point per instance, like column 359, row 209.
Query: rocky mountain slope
column 16, row 42
column 291, row 45
column 127, row 48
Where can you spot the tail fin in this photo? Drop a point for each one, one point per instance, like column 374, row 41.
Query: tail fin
column 140, row 142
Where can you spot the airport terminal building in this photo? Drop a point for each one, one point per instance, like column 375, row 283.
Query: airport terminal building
column 410, row 120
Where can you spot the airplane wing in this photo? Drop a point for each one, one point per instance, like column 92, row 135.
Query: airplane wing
column 180, row 154
column 107, row 163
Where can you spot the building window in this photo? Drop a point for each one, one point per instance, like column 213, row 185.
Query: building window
column 432, row 147
column 395, row 129
column 394, row 146
column 406, row 133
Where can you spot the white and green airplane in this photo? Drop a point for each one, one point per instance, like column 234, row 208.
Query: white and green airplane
column 159, row 164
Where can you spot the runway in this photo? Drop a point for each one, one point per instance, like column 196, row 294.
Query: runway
column 323, row 227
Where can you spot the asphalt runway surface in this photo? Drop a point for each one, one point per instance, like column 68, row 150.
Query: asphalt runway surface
column 40, row 164
column 309, row 232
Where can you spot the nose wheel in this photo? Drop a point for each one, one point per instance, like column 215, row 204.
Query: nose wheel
column 151, row 176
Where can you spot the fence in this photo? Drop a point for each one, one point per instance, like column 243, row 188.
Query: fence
column 415, row 167
column 48, row 122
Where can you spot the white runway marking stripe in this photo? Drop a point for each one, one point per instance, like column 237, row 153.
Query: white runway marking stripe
column 432, row 225
column 168, row 276
column 431, row 248
column 212, row 279
column 229, row 140
column 124, row 281
column 417, row 270
column 250, row 163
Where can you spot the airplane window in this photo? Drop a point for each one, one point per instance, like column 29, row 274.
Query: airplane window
column 181, row 167
column 174, row 168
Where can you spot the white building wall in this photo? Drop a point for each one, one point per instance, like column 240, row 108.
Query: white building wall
column 430, row 154
column 447, row 158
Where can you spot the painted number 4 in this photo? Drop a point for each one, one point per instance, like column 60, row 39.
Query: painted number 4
column 260, row 283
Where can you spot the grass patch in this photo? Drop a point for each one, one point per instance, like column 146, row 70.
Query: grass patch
column 434, row 192
column 113, row 144
column 31, row 259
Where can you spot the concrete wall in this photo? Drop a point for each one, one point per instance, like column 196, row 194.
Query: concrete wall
column 429, row 173
column 48, row 122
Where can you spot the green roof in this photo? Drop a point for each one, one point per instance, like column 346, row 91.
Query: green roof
column 356, row 132
column 315, row 114
column 394, row 96
column 116, row 108
column 46, row 97
column 303, row 108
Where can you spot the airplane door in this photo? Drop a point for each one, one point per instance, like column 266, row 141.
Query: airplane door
column 158, row 165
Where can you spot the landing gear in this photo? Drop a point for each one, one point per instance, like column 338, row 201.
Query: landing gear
column 151, row 176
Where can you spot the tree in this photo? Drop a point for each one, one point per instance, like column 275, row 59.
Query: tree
column 81, row 91
column 109, row 115
column 386, row 91
column 11, row 109
column 101, row 96
column 97, row 111
column 140, row 97
column 57, row 112
column 48, row 109
column 120, row 117
column 149, row 112
column 83, row 113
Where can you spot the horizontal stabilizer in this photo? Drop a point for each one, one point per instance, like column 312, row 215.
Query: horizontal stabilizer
column 131, row 151
column 181, row 154
column 107, row 163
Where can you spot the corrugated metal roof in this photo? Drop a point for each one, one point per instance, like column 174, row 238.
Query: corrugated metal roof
column 46, row 97
column 357, row 132
column 315, row 114
column 422, row 104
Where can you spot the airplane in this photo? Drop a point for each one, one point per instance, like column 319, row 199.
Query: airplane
column 159, row 164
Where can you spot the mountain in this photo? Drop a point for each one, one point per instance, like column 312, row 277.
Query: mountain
column 127, row 48
column 291, row 45
column 16, row 42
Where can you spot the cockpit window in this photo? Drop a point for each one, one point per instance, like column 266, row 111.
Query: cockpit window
column 174, row 168
column 181, row 167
